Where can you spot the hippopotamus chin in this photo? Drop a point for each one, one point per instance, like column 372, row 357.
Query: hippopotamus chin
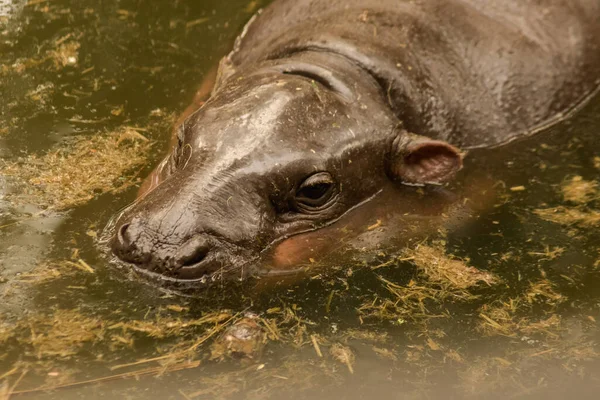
column 322, row 103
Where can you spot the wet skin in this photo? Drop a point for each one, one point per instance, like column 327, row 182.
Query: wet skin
column 322, row 104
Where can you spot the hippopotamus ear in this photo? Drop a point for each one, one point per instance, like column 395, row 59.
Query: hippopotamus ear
column 419, row 160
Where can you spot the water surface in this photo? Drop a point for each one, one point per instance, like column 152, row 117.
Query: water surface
column 513, row 312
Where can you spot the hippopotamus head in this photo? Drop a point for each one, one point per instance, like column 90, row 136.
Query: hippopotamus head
column 286, row 148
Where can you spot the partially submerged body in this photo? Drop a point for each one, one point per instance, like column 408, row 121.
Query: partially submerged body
column 475, row 73
column 322, row 103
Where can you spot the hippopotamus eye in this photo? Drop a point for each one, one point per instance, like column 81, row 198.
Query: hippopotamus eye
column 316, row 192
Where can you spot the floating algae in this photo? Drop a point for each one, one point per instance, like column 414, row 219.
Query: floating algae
column 49, row 271
column 48, row 341
column 446, row 270
column 502, row 317
column 161, row 327
column 344, row 355
column 580, row 192
column 543, row 291
column 581, row 217
column 65, row 54
column 440, row 277
column 80, row 169
column 61, row 335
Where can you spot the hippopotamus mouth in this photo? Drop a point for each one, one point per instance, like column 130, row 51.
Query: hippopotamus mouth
column 196, row 261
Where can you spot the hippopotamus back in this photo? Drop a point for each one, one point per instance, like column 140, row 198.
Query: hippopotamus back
column 476, row 73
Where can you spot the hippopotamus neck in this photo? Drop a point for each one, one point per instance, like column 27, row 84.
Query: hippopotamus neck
column 465, row 80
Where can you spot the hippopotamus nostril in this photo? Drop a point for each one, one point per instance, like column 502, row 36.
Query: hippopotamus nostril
column 125, row 243
column 123, row 239
column 193, row 251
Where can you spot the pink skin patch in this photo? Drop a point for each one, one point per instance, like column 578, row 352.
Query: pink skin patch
column 297, row 251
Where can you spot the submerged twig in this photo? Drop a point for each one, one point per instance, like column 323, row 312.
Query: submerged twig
column 134, row 374
column 190, row 349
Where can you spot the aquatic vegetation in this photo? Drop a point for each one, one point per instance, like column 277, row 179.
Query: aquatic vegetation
column 580, row 192
column 66, row 52
column 364, row 335
column 581, row 217
column 385, row 353
column 161, row 327
column 63, row 53
column 49, row 340
column 504, row 317
column 344, row 355
column 185, row 342
column 6, row 333
column 545, row 343
column 80, row 169
column 440, row 281
column 46, row 272
column 440, row 277
column 263, row 381
column 543, row 291
column 499, row 319
column 63, row 334
column 448, row 271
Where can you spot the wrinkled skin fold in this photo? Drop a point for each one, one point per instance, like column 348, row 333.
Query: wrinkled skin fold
column 321, row 104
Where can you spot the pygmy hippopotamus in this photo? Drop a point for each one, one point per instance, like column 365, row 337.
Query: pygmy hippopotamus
column 323, row 102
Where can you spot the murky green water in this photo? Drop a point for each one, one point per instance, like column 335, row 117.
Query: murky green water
column 375, row 321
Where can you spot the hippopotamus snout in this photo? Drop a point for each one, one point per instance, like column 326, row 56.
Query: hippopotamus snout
column 193, row 258
column 193, row 226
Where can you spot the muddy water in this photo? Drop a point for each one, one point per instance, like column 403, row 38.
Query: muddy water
column 486, row 289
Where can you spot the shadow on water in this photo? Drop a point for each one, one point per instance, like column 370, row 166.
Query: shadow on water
column 487, row 288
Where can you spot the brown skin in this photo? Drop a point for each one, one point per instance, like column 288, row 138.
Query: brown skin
column 322, row 104
column 201, row 96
